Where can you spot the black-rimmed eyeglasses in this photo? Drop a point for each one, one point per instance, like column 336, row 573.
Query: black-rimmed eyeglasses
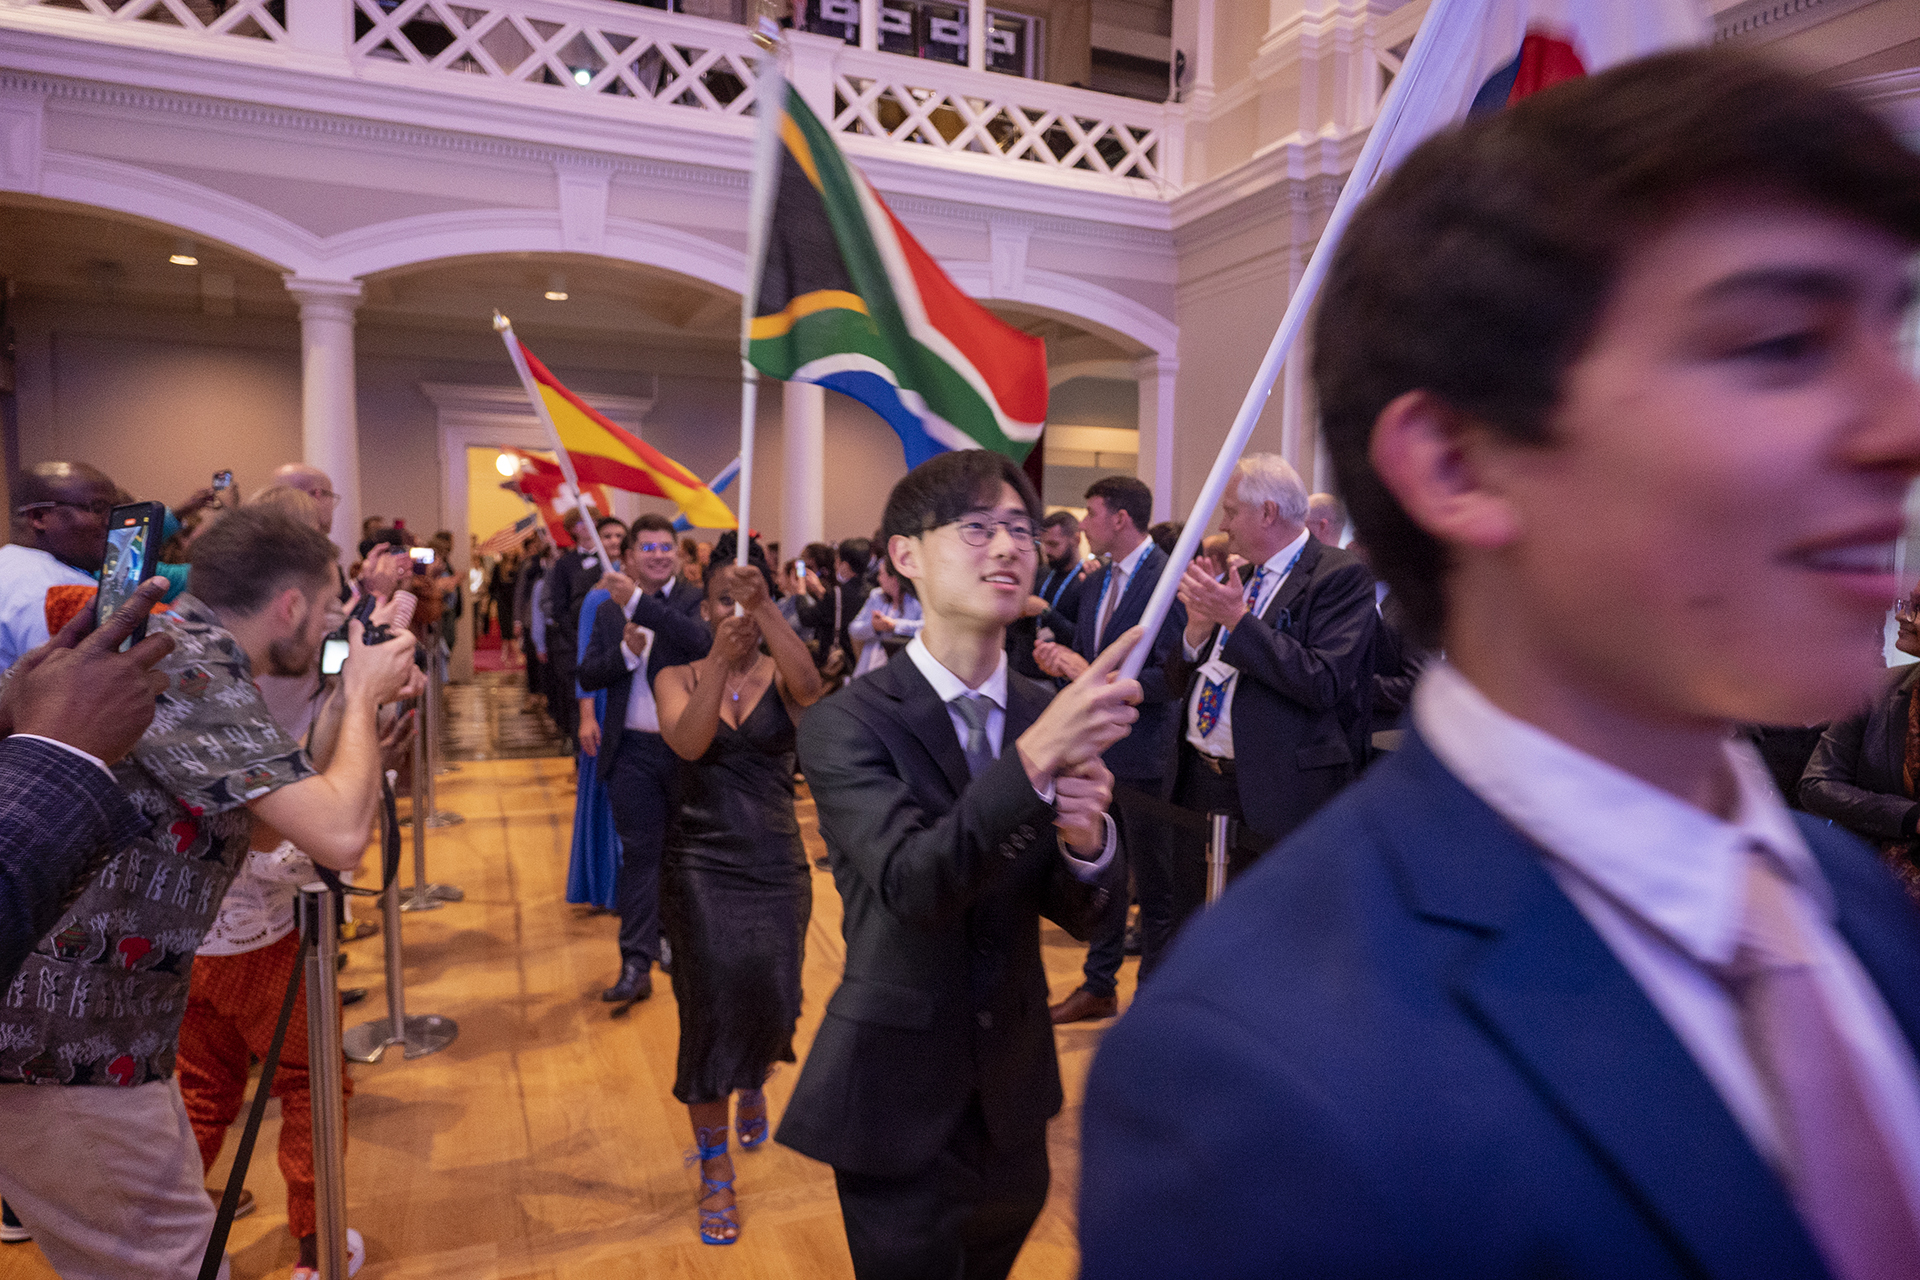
column 978, row 531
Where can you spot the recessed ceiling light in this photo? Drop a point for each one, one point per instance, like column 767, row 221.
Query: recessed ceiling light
column 184, row 254
column 582, row 77
column 557, row 287
column 506, row 464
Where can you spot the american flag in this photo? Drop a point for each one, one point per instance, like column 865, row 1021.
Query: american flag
column 510, row 537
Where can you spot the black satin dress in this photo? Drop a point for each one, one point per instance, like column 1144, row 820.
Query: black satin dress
column 735, row 896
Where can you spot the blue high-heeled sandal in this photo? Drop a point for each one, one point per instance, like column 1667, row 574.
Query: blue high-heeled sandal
column 714, row 1223
column 752, row 1129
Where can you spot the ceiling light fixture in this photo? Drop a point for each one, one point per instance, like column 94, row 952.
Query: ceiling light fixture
column 582, row 77
column 183, row 254
column 506, row 464
column 557, row 287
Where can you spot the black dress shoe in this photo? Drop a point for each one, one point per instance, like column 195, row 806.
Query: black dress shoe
column 635, row 983
column 352, row 995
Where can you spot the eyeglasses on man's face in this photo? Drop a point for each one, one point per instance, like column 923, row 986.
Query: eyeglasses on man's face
column 102, row 507
column 1905, row 611
column 977, row 530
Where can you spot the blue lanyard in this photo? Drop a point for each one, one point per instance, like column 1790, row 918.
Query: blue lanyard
column 1054, row 599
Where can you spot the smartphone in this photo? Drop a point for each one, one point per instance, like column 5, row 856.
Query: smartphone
column 133, row 552
column 422, row 557
column 333, row 655
column 222, row 480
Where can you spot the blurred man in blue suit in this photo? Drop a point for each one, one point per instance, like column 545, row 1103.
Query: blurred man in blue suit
column 1615, row 390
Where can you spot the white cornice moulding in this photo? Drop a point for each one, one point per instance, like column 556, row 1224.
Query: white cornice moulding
column 1894, row 95
column 1302, row 34
column 461, row 405
column 22, row 130
column 1764, row 21
column 1318, row 168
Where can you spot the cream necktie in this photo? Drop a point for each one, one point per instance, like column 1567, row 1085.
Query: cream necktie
column 1839, row 1167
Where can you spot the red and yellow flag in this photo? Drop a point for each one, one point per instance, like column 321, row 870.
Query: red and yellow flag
column 604, row 454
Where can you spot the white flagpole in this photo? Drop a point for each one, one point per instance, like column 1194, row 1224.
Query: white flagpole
column 1365, row 170
column 504, row 327
column 770, row 98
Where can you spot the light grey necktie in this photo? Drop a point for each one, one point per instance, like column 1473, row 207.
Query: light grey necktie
column 1116, row 583
column 973, row 709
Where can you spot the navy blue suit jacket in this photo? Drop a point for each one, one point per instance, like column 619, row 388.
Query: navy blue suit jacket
column 1396, row 1048
column 1146, row 753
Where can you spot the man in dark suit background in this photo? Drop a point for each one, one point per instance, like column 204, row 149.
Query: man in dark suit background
column 575, row 572
column 1055, row 602
column 1277, row 668
column 1614, row 388
column 652, row 622
column 959, row 805
column 1118, row 511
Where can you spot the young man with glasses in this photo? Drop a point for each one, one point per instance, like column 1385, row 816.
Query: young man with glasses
column 651, row 623
column 959, row 803
column 59, row 538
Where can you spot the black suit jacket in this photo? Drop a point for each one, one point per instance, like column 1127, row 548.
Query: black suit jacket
column 60, row 818
column 568, row 582
column 1301, row 704
column 679, row 636
column 1146, row 753
column 943, row 879
column 1420, row 1060
column 1061, row 589
column 1856, row 774
column 1397, row 664
column 818, row 617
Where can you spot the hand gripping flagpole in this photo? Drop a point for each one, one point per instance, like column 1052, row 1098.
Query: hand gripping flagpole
column 504, row 327
column 1451, row 17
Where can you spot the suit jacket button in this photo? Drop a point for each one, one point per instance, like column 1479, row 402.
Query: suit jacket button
column 985, row 1020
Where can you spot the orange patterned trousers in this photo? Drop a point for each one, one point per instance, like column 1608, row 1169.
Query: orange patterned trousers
column 232, row 1006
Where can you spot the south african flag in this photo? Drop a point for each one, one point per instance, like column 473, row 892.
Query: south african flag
column 849, row 300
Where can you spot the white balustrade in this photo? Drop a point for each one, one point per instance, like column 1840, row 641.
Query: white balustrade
column 613, row 59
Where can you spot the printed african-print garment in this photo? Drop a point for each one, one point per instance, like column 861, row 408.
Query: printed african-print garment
column 100, row 1000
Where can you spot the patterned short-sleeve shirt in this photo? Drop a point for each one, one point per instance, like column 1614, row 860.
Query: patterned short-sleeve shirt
column 101, row 998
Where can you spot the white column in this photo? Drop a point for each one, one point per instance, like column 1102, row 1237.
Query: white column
column 869, row 24
column 1155, row 465
column 329, row 428
column 977, row 34
column 323, row 27
column 803, row 464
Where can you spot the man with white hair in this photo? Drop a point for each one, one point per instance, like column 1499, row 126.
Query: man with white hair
column 1327, row 518
column 1277, row 663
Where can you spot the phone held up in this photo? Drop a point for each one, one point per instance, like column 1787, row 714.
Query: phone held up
column 133, row 553
column 222, row 480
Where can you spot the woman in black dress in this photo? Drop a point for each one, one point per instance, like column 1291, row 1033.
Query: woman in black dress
column 734, row 888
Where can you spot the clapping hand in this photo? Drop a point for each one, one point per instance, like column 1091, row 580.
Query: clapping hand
column 1058, row 660
column 1210, row 604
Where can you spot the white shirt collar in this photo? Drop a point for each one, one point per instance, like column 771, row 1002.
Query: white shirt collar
column 950, row 686
column 1678, row 868
column 1278, row 562
column 1131, row 561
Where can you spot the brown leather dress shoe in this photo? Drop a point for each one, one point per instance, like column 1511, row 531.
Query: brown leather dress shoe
column 1084, row 1006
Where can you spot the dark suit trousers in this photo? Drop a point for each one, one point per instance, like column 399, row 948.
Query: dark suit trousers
column 639, row 789
column 1144, row 837
column 963, row 1218
column 1200, row 790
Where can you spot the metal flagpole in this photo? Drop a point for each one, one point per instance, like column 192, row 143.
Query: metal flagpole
column 769, row 95
column 504, row 327
column 1365, row 170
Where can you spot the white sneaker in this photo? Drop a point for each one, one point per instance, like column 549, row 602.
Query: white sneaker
column 356, row 1258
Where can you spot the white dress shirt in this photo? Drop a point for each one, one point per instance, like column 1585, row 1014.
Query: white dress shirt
column 1663, row 884
column 25, row 575
column 948, row 686
column 643, row 714
column 1119, row 573
column 1219, row 743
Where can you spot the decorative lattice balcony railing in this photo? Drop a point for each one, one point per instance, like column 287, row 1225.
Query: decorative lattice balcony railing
column 618, row 60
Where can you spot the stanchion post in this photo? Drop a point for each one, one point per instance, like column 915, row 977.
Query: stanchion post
column 420, row 897
column 440, row 708
column 1218, row 843
column 325, row 1067
column 420, row 1034
column 431, row 710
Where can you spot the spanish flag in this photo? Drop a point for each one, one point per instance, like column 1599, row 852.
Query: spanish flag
column 604, row 454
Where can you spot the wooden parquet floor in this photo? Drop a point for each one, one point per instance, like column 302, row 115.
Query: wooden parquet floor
column 545, row 1142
